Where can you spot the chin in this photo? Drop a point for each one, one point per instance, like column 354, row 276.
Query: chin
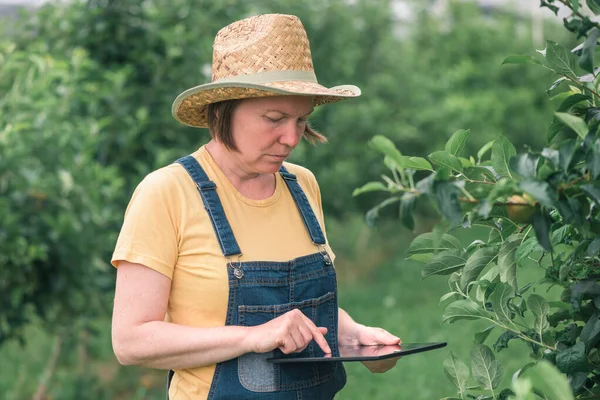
column 270, row 168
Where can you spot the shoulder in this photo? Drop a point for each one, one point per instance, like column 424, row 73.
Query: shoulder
column 163, row 183
column 303, row 174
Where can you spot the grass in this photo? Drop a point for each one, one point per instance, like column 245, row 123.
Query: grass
column 388, row 293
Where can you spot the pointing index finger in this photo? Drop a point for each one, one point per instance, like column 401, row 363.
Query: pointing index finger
column 318, row 335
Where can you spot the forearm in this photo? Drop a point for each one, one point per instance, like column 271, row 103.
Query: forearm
column 165, row 345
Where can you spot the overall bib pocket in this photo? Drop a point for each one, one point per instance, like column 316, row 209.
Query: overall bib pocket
column 257, row 375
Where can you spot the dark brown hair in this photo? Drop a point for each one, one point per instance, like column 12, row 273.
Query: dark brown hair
column 219, row 124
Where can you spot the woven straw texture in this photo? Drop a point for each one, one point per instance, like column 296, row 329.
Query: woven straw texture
column 269, row 43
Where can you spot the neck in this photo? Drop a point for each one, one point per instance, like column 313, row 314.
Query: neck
column 250, row 184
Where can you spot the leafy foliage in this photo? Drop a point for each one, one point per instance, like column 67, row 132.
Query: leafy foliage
column 57, row 202
column 538, row 209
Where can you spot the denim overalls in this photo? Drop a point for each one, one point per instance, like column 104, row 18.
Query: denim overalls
column 260, row 291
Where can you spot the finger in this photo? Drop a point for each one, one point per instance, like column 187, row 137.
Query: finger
column 381, row 336
column 318, row 335
column 298, row 339
column 288, row 346
column 307, row 335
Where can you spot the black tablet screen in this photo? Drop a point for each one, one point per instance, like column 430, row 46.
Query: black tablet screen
column 362, row 353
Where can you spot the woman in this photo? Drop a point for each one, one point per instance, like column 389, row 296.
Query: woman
column 222, row 258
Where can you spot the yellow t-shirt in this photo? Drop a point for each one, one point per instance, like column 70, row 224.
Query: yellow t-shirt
column 167, row 229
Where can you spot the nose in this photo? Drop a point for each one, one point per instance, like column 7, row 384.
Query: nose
column 291, row 133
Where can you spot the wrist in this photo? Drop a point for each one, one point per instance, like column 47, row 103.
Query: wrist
column 349, row 332
column 246, row 341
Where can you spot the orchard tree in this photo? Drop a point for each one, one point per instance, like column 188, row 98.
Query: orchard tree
column 539, row 209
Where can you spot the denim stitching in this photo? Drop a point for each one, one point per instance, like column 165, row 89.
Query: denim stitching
column 283, row 308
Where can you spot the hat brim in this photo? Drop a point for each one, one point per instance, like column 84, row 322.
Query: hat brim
column 190, row 107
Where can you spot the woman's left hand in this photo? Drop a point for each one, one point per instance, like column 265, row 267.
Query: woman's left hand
column 367, row 335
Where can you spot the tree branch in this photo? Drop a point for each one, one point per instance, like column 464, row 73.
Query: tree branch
column 40, row 393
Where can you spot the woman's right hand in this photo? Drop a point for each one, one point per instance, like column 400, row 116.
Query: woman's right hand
column 290, row 332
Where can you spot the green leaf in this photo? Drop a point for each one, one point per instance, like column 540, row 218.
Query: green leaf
column 369, row 187
column 593, row 191
column 407, row 206
column 463, row 309
column 556, row 84
column 572, row 100
column 521, row 59
column 572, row 359
column 373, row 213
column 528, row 247
column 432, row 242
column 591, row 331
column 507, row 266
column 491, row 276
column 457, row 372
column 594, row 5
column 593, row 160
column 564, row 271
column 445, row 263
column 560, row 59
column 475, row 264
column 575, row 4
column 589, row 288
column 586, row 60
column 502, row 151
column 465, row 162
column 577, row 124
column 387, row 147
column 444, row 159
column 416, row 163
column 451, row 295
column 457, row 141
column 541, row 226
column 391, row 164
column 503, row 339
column 593, row 248
column 477, row 173
column 524, row 164
column 566, row 153
column 484, row 149
column 540, row 309
column 446, row 195
column 540, row 190
column 481, row 336
column 560, row 234
column 500, row 297
column 555, row 128
column 487, row 371
column 454, row 280
column 548, row 380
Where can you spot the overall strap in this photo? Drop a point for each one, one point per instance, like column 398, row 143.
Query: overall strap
column 212, row 204
column 306, row 211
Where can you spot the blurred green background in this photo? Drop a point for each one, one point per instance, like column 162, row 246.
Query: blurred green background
column 85, row 95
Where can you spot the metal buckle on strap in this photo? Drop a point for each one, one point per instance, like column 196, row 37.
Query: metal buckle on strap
column 209, row 185
column 237, row 269
column 323, row 250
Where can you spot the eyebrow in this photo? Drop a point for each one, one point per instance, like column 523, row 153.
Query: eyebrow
column 289, row 115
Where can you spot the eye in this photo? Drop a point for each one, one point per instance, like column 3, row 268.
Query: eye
column 302, row 120
column 274, row 119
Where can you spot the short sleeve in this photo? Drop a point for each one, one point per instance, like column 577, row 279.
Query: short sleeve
column 150, row 234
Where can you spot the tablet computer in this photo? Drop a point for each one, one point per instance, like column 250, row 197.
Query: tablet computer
column 361, row 353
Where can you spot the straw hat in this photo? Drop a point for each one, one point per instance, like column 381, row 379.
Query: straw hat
column 264, row 55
